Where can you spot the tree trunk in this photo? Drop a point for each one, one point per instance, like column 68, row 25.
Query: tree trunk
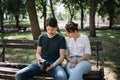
column 30, row 4
column 110, row 21
column 1, row 18
column 44, row 12
column 51, row 5
column 45, row 20
column 93, row 4
column 82, row 17
column 17, row 21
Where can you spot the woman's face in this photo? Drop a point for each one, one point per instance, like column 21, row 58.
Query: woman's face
column 69, row 34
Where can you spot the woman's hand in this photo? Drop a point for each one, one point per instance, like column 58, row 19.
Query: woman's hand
column 73, row 63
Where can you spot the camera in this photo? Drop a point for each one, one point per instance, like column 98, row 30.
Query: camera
column 45, row 64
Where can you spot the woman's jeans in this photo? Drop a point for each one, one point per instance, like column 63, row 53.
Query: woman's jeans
column 33, row 70
column 77, row 72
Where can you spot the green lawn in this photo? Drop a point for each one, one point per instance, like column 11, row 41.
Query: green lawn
column 109, row 57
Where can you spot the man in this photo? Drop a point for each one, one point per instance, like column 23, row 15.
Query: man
column 51, row 48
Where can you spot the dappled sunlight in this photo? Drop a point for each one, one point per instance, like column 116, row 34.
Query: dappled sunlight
column 109, row 74
column 112, row 36
column 18, row 35
column 20, row 55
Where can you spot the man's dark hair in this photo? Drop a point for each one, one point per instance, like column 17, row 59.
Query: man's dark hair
column 51, row 22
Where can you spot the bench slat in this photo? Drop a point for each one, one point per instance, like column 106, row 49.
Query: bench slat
column 7, row 76
column 93, row 48
column 24, row 46
column 19, row 41
column 8, row 70
column 94, row 43
column 9, row 73
column 12, row 77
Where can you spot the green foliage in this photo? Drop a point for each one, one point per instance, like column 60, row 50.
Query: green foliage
column 14, row 7
column 106, row 7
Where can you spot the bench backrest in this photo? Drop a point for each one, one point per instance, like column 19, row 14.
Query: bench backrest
column 96, row 46
column 32, row 44
column 13, row 43
column 23, row 44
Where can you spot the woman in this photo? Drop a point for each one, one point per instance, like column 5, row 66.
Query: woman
column 77, row 53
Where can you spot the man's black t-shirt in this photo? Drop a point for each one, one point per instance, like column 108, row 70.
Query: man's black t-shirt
column 51, row 46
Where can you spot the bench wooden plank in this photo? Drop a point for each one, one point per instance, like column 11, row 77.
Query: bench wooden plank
column 20, row 46
column 19, row 41
column 7, row 76
column 12, row 77
column 9, row 73
column 94, row 74
column 8, row 70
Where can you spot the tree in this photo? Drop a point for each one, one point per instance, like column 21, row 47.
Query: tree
column 15, row 8
column 93, row 6
column 109, row 8
column 83, row 5
column 30, row 4
column 70, row 6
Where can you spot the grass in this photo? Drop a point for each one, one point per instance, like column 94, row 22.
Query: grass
column 109, row 57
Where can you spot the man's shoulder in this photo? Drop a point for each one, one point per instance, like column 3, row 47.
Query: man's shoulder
column 43, row 35
column 60, row 35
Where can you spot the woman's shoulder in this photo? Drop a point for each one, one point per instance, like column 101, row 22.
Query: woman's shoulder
column 83, row 35
column 67, row 38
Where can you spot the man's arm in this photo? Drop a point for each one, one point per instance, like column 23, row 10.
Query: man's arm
column 38, row 53
column 58, row 61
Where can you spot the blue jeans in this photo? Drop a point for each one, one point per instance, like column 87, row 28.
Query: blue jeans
column 57, row 73
column 77, row 72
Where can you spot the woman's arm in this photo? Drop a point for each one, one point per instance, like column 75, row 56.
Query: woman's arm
column 84, row 57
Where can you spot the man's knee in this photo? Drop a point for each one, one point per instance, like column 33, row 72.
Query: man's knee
column 61, row 77
column 19, row 76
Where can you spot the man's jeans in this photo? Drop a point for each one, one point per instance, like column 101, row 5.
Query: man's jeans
column 77, row 72
column 33, row 70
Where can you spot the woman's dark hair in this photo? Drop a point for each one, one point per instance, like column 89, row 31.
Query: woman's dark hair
column 51, row 22
column 71, row 27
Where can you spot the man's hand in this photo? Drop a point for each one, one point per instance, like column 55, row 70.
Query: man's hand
column 49, row 68
column 40, row 65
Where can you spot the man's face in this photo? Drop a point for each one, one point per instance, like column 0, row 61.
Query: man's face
column 51, row 31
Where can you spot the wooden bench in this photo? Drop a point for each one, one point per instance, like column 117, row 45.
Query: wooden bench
column 8, row 70
column 14, row 29
column 23, row 28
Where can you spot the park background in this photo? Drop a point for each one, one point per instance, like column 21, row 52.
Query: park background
column 99, row 19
